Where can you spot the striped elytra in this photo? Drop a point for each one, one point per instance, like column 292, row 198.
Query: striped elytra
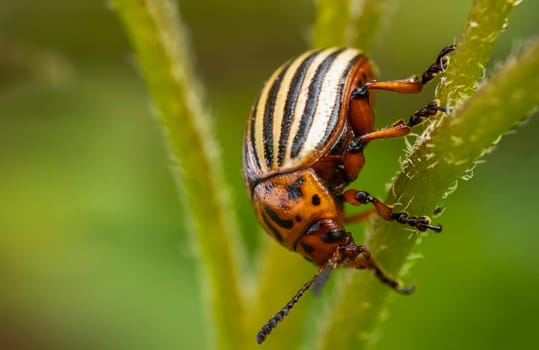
column 304, row 144
column 299, row 113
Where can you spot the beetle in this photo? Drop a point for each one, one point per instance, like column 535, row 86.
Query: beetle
column 304, row 144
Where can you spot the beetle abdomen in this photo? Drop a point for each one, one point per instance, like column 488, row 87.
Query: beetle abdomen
column 298, row 113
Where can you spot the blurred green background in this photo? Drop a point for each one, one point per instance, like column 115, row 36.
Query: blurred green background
column 94, row 252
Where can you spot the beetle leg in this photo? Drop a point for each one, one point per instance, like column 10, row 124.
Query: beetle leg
column 421, row 223
column 361, row 114
column 397, row 129
column 425, row 112
column 364, row 260
column 353, row 158
column 411, row 85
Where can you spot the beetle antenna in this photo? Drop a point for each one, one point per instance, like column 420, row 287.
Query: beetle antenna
column 278, row 317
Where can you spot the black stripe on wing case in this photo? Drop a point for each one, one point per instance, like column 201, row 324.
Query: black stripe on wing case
column 269, row 109
column 252, row 133
column 312, row 102
column 290, row 105
column 337, row 107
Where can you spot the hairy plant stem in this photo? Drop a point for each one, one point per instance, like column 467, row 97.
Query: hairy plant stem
column 163, row 55
column 447, row 149
column 353, row 23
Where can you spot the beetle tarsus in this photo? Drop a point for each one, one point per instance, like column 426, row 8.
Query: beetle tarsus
column 393, row 283
column 421, row 223
column 425, row 112
column 364, row 260
column 406, row 290
column 439, row 66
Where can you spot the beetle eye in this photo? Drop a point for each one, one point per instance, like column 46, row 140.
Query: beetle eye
column 333, row 236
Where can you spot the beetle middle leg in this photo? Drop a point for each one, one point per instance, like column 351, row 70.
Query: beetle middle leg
column 398, row 129
column 421, row 223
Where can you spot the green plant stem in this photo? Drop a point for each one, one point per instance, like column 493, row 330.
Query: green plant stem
column 444, row 153
column 353, row 23
column 487, row 18
column 164, row 59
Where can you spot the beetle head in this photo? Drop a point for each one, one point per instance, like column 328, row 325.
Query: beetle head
column 299, row 212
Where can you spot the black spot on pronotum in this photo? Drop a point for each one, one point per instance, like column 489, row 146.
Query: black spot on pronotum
column 308, row 248
column 315, row 200
column 288, row 224
column 294, row 191
column 298, row 218
column 272, row 228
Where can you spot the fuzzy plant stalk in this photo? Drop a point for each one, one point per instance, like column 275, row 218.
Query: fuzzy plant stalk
column 164, row 59
column 353, row 23
column 446, row 151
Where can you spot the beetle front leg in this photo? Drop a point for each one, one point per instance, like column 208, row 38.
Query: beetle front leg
column 364, row 260
column 362, row 117
column 411, row 85
column 421, row 223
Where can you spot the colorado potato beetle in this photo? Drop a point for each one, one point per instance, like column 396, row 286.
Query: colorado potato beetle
column 304, row 144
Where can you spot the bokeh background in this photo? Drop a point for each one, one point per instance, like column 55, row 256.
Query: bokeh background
column 94, row 252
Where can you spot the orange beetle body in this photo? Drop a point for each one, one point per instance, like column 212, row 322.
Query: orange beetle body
column 304, row 144
column 294, row 185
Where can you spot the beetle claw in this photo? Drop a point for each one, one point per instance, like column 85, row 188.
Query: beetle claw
column 407, row 290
